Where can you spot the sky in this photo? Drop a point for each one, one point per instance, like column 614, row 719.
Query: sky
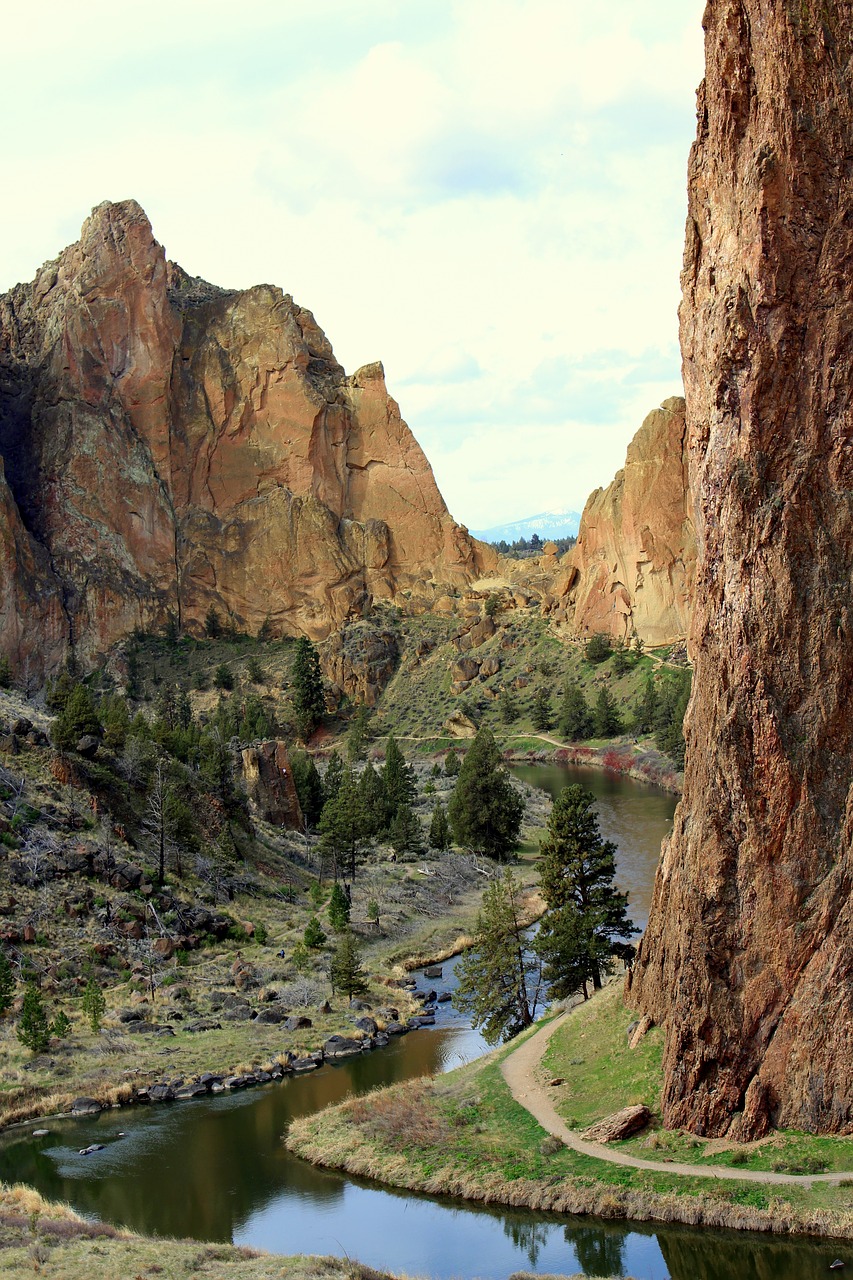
column 488, row 196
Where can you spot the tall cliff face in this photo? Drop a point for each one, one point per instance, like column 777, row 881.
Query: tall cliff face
column 748, row 957
column 171, row 446
column 631, row 570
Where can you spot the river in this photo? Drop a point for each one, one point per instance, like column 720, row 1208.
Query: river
column 217, row 1170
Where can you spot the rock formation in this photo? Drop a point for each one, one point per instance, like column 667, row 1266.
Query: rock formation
column 748, row 956
column 270, row 786
column 170, row 445
column 631, row 570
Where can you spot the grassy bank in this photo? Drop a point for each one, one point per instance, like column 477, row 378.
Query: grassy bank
column 464, row 1135
column 42, row 1238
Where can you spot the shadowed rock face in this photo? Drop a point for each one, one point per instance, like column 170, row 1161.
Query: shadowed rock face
column 170, row 446
column 748, row 957
column 631, row 570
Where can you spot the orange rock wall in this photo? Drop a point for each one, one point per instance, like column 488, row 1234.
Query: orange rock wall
column 173, row 446
column 631, row 570
column 748, row 956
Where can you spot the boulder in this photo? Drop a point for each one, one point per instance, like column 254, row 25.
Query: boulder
column 622, row 1124
column 85, row 1107
column 341, row 1047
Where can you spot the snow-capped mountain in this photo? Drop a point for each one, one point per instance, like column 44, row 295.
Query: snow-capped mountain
column 548, row 524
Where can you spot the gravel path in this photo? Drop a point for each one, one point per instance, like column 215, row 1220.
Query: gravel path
column 523, row 1072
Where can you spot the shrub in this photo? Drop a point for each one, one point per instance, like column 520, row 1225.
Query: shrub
column 598, row 648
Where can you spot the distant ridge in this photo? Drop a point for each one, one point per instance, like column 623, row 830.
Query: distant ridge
column 548, row 524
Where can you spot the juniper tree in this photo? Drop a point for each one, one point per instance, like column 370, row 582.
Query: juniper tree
column 342, row 826
column 7, row 983
column 543, row 716
column 398, row 779
column 608, row 721
column 309, row 786
column 94, row 1004
column 339, row 909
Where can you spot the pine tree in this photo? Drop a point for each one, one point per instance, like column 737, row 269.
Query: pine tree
column 309, row 704
column 358, row 734
column 485, row 810
column 314, row 937
column 608, row 722
column 33, row 1029
column 508, row 705
column 645, row 707
column 575, row 717
column 342, row 827
column 499, row 975
column 333, row 776
column 398, row 779
column 577, row 868
column 405, row 833
column 7, row 983
column 452, row 763
column 621, row 658
column 371, row 790
column 439, row 829
column 346, row 972
column 309, row 786
column 339, row 909
column 77, row 718
column 543, row 716
column 60, row 1026
column 94, row 1004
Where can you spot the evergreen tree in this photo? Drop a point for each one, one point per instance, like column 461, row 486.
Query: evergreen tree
column 575, row 715
column 77, row 718
column 508, row 705
column 621, row 658
column 309, row 704
column 5, row 672
column 115, row 718
column 223, row 676
column 33, row 1029
column 499, row 975
column 333, row 776
column 371, row 790
column 94, row 1004
column 60, row 1026
column 543, row 716
column 597, row 648
column 485, row 810
column 645, row 708
column 674, row 695
column 309, row 786
column 398, row 780
column 439, row 829
column 358, row 734
column 314, row 937
column 608, row 721
column 212, row 624
column 342, row 837
column 405, row 833
column 346, row 972
column 339, row 909
column 7, row 983
column 452, row 763
column 585, row 909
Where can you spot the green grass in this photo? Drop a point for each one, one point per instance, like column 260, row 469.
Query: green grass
column 603, row 1075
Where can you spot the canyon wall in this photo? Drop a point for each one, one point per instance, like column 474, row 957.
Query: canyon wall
column 171, row 446
column 631, row 570
column 748, row 956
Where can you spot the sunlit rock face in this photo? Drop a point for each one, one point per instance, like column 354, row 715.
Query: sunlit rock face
column 170, row 445
column 631, row 570
column 748, row 957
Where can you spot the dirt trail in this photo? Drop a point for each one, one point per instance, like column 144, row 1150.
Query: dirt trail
column 524, row 1074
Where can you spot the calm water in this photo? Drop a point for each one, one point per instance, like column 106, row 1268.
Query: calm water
column 217, row 1170
column 634, row 815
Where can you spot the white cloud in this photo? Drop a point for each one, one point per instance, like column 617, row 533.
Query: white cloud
column 488, row 195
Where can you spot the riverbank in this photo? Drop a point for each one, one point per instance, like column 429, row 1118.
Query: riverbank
column 466, row 1135
column 48, row 1239
column 638, row 760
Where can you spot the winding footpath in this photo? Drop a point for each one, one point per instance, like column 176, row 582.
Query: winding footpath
column 522, row 1071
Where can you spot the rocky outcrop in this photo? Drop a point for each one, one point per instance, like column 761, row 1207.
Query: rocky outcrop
column 270, row 786
column 632, row 568
column 748, row 956
column 170, row 445
column 359, row 661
